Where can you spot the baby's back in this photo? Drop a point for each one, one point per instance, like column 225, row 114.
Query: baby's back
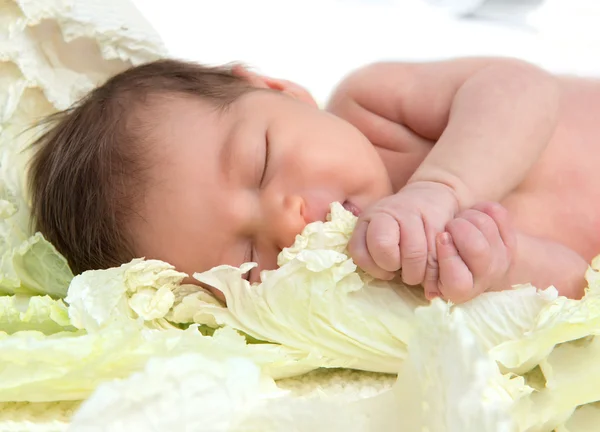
column 560, row 198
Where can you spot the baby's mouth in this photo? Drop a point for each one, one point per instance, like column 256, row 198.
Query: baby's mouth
column 351, row 208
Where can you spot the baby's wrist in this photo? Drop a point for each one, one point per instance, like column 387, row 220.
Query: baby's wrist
column 459, row 198
column 463, row 194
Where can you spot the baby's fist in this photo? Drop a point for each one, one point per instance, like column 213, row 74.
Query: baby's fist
column 475, row 253
column 398, row 232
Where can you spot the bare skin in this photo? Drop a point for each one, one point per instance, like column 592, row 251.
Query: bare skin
column 467, row 176
column 552, row 198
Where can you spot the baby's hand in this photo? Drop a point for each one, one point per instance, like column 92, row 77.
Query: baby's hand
column 475, row 253
column 399, row 232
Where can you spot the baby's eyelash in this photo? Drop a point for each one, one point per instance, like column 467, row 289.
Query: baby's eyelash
column 250, row 255
column 266, row 163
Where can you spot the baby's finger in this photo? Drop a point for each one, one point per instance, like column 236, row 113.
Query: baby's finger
column 456, row 281
column 383, row 238
column 472, row 245
column 484, row 223
column 500, row 215
column 413, row 249
column 432, row 275
column 357, row 247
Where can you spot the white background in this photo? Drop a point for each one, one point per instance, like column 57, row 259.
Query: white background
column 316, row 42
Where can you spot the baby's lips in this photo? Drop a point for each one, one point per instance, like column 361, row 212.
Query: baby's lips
column 352, row 208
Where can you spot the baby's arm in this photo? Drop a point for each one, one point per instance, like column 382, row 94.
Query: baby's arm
column 482, row 250
column 543, row 262
column 489, row 118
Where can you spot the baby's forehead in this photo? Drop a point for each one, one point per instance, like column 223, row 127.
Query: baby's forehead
column 160, row 106
column 182, row 122
column 173, row 125
column 163, row 116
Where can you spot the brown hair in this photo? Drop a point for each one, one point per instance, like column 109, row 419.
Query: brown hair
column 88, row 167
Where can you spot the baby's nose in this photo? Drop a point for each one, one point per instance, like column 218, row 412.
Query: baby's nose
column 288, row 222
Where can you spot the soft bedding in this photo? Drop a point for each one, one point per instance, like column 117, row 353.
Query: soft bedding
column 317, row 346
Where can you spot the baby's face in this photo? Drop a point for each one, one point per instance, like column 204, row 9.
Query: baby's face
column 238, row 185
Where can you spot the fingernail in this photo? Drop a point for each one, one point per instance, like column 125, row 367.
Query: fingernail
column 389, row 277
column 445, row 239
column 431, row 295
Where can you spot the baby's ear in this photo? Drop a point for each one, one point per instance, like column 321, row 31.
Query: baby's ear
column 284, row 86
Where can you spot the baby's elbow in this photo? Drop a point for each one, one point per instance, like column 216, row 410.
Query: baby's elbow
column 352, row 86
column 530, row 82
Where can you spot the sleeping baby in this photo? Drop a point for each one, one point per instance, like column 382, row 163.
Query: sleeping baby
column 467, row 175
